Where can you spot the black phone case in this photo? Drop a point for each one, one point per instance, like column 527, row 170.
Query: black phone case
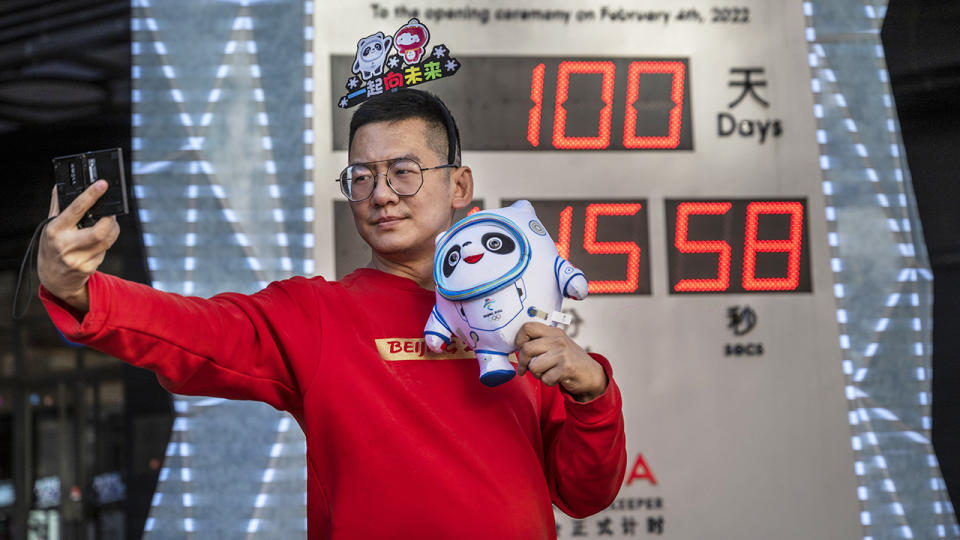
column 77, row 172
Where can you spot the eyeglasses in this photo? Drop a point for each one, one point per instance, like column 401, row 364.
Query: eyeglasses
column 404, row 177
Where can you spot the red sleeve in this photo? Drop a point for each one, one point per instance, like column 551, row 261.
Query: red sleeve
column 586, row 454
column 232, row 345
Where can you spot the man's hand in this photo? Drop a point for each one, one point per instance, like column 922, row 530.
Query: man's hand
column 551, row 356
column 68, row 256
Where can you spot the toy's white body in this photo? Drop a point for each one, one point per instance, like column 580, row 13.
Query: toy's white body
column 496, row 270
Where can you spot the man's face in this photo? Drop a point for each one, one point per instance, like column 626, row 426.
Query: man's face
column 404, row 228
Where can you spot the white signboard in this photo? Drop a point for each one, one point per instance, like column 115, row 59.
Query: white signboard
column 672, row 151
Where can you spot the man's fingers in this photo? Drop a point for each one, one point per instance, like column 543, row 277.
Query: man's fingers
column 54, row 203
column 528, row 351
column 78, row 208
column 543, row 364
column 105, row 231
column 100, row 237
column 533, row 339
column 531, row 330
column 80, row 250
column 90, row 263
column 553, row 376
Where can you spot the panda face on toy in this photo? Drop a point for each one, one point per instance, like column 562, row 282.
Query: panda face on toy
column 477, row 253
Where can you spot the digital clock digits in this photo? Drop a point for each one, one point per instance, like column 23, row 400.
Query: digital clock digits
column 737, row 246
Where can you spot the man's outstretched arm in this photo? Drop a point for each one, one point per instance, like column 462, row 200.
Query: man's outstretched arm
column 227, row 346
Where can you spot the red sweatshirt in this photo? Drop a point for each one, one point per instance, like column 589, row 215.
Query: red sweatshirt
column 383, row 417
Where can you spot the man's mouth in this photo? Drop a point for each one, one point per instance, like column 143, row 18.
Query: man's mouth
column 389, row 219
column 473, row 258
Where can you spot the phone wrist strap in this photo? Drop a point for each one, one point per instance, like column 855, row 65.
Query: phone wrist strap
column 29, row 259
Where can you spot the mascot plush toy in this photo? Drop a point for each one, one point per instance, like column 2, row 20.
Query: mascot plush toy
column 496, row 270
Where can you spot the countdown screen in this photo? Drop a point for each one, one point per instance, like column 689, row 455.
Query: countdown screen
column 671, row 153
column 544, row 103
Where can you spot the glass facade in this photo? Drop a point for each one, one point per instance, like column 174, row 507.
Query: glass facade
column 882, row 280
column 222, row 166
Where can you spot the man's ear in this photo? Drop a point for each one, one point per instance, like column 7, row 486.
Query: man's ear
column 462, row 185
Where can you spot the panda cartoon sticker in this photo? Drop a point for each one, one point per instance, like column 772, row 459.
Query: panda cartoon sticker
column 371, row 54
column 411, row 40
column 492, row 278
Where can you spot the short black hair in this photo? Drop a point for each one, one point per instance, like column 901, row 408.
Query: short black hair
column 410, row 103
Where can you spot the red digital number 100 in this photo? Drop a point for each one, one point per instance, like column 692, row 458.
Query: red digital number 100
column 608, row 72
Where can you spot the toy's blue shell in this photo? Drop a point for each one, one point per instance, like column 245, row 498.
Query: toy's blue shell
column 493, row 283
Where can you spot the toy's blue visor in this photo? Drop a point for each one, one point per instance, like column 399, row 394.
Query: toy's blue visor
column 486, row 287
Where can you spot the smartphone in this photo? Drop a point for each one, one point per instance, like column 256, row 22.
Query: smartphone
column 75, row 173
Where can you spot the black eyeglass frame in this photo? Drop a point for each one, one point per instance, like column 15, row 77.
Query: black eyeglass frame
column 376, row 177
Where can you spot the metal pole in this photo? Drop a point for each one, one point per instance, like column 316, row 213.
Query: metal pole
column 79, row 440
column 22, row 439
column 98, row 465
column 63, row 453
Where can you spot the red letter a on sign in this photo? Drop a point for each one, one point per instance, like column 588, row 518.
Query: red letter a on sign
column 640, row 471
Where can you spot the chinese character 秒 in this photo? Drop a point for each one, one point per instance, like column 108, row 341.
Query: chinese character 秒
column 742, row 319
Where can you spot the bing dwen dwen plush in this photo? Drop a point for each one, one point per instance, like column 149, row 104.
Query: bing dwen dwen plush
column 494, row 271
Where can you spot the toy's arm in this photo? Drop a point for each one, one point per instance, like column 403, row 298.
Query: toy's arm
column 570, row 280
column 436, row 333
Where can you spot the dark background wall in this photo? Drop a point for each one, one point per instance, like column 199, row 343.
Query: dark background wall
column 922, row 45
column 65, row 88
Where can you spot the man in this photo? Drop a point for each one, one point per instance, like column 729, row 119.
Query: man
column 438, row 453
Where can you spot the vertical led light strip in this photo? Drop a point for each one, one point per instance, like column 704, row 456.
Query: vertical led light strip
column 882, row 283
column 222, row 169
column 176, row 504
column 208, row 187
column 308, row 265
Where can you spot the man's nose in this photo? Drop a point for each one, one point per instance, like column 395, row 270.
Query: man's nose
column 382, row 194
